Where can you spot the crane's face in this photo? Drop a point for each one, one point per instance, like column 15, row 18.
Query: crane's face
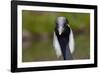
column 61, row 23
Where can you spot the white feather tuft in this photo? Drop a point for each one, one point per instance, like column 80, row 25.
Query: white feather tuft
column 71, row 42
column 56, row 46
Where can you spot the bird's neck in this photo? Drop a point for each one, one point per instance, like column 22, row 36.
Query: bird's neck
column 65, row 31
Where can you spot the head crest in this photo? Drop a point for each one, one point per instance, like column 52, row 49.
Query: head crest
column 61, row 21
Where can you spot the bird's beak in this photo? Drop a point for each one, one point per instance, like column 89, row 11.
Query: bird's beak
column 60, row 30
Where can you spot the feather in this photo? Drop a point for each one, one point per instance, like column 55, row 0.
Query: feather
column 71, row 41
column 56, row 46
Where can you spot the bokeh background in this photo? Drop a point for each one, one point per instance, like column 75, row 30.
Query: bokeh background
column 37, row 35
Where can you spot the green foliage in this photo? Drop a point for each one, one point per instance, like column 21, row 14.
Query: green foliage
column 45, row 21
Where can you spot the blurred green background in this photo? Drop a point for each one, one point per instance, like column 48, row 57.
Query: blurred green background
column 38, row 28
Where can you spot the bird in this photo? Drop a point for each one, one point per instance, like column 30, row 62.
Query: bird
column 63, row 39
